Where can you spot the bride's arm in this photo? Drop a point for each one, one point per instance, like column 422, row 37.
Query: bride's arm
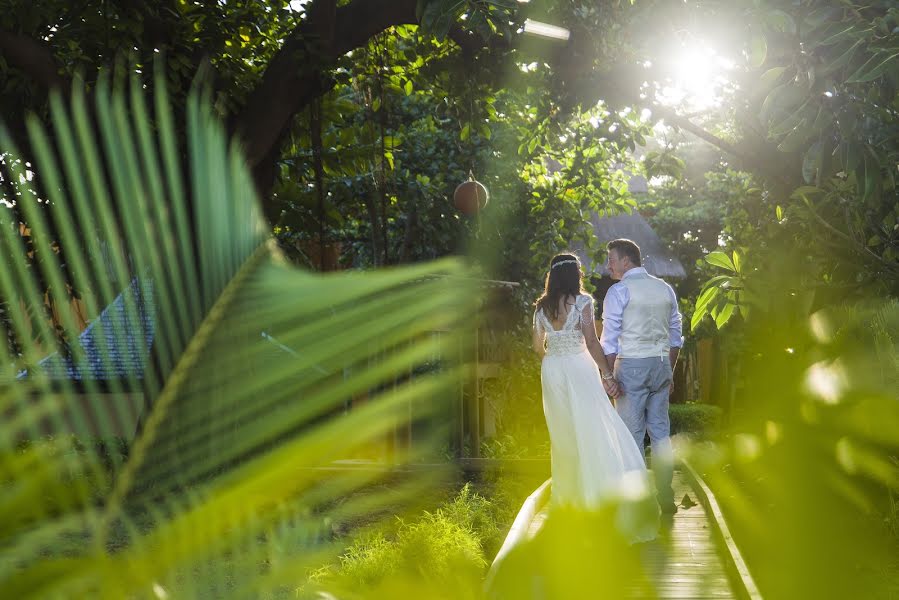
column 588, row 328
column 537, row 341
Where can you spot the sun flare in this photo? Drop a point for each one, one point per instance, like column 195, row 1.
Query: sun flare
column 697, row 77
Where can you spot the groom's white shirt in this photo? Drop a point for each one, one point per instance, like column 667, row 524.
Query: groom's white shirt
column 613, row 308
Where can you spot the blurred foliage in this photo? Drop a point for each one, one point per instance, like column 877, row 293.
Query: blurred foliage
column 245, row 367
column 808, row 473
column 698, row 421
column 515, row 397
column 441, row 553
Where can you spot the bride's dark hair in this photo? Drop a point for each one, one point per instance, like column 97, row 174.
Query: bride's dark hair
column 562, row 280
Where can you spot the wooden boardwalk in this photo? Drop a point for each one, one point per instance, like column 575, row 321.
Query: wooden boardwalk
column 684, row 562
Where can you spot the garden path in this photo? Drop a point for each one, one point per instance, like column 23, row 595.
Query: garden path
column 684, row 562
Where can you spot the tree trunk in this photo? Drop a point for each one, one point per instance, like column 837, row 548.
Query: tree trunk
column 377, row 252
column 294, row 77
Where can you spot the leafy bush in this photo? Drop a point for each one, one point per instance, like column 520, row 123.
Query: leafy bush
column 442, row 549
column 696, row 420
column 508, row 446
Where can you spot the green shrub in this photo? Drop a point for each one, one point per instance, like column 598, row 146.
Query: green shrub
column 696, row 420
column 523, row 445
column 440, row 549
column 474, row 512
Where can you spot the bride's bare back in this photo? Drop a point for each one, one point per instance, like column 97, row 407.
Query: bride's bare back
column 566, row 304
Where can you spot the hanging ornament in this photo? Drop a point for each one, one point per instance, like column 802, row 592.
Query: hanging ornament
column 470, row 196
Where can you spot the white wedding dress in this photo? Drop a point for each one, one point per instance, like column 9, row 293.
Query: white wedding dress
column 594, row 457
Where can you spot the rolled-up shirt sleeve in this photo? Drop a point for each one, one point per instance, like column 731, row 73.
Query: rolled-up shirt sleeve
column 612, row 311
column 675, row 328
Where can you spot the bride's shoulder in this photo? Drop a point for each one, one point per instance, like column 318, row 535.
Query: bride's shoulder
column 583, row 300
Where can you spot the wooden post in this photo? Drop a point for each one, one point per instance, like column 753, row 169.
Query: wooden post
column 705, row 368
column 476, row 397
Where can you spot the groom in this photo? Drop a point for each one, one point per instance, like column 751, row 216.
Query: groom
column 642, row 330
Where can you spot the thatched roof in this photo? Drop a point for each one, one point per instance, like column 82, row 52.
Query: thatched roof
column 657, row 259
column 114, row 346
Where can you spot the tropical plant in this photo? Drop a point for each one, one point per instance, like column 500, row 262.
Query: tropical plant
column 245, row 365
column 806, row 471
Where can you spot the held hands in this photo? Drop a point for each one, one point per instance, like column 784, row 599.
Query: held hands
column 611, row 387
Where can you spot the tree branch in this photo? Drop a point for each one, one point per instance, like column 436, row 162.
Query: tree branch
column 859, row 247
column 776, row 164
column 31, row 56
column 684, row 123
column 294, row 75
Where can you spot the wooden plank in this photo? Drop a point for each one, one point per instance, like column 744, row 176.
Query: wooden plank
column 682, row 563
column 736, row 566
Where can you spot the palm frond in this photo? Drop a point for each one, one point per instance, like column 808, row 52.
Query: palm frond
column 245, row 366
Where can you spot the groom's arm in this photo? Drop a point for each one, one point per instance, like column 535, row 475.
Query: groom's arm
column 672, row 356
column 675, row 330
column 612, row 312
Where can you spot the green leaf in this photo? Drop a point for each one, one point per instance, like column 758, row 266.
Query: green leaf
column 805, row 191
column 376, row 104
column 408, row 87
column 780, row 21
column 720, row 259
column 811, row 162
column 758, row 50
column 779, row 212
column 871, row 177
column 794, row 141
column 438, row 16
column 466, row 131
column 876, row 66
column 736, row 261
column 706, row 297
column 696, row 319
column 850, row 156
column 771, row 76
column 874, row 240
column 724, row 315
column 843, row 33
column 783, row 98
column 841, row 61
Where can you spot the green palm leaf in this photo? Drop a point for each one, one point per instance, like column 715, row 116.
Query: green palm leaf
column 244, row 366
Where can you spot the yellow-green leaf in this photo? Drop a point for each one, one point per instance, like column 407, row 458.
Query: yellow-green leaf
column 720, row 259
column 724, row 315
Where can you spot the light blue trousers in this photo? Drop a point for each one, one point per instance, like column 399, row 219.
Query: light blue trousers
column 643, row 406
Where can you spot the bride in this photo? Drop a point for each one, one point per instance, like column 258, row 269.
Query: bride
column 594, row 456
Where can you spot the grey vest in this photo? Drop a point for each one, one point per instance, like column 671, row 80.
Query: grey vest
column 646, row 319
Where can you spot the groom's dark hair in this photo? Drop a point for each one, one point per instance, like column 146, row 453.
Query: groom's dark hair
column 628, row 248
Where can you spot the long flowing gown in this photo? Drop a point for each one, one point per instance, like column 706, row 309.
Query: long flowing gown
column 594, row 456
